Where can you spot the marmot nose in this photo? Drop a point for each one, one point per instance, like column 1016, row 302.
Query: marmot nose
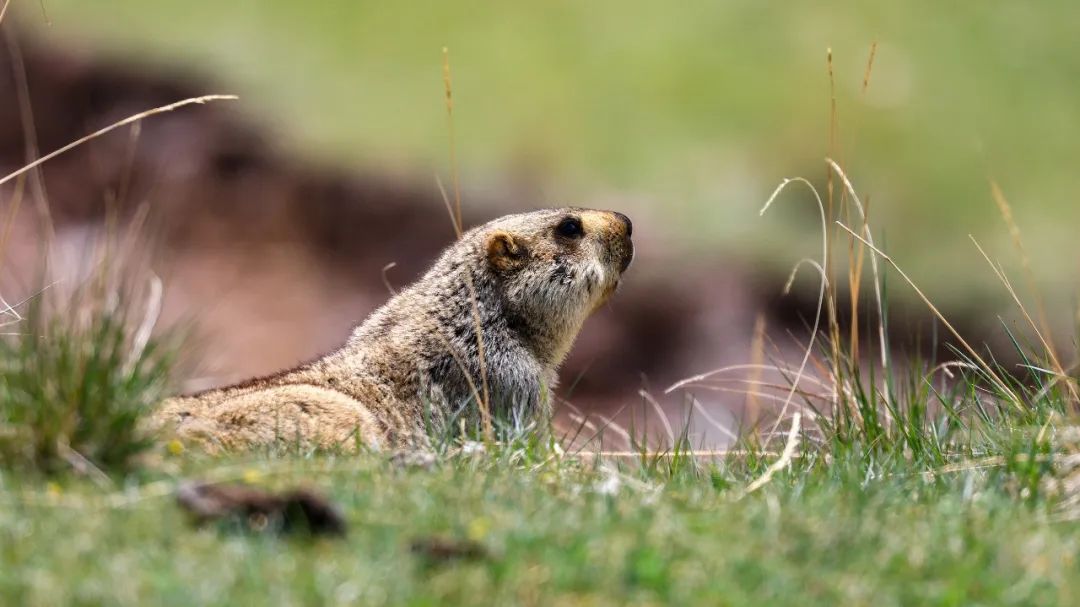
column 626, row 221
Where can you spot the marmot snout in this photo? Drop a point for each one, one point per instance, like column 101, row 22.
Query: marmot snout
column 490, row 321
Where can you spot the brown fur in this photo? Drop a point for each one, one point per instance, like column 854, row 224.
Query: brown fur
column 417, row 360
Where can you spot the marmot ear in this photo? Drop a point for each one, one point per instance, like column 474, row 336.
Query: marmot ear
column 504, row 252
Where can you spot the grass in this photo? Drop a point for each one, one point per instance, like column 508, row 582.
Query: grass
column 80, row 371
column 865, row 484
column 76, row 393
column 855, row 530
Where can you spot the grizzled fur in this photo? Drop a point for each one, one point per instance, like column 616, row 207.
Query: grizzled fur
column 525, row 283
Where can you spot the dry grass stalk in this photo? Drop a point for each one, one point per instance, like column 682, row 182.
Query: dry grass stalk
column 126, row 121
column 856, row 254
column 485, row 404
column 483, row 400
column 757, row 358
column 1042, row 329
column 448, row 86
column 660, row 414
column 1058, row 370
column 779, row 464
column 822, row 291
column 830, row 212
column 26, row 118
column 986, row 368
column 850, row 189
column 702, row 453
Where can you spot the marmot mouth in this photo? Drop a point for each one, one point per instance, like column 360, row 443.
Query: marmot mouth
column 627, row 257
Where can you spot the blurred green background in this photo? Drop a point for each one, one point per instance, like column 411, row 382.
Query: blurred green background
column 691, row 111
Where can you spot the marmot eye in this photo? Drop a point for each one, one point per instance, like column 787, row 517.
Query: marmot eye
column 570, row 228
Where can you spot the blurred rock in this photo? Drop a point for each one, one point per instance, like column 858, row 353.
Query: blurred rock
column 299, row 511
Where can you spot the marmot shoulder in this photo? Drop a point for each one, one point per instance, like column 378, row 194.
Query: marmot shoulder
column 489, row 323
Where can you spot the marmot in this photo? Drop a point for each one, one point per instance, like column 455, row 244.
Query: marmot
column 523, row 284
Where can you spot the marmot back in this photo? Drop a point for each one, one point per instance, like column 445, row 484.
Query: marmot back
column 491, row 321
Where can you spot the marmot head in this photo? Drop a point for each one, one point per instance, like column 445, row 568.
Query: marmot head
column 556, row 266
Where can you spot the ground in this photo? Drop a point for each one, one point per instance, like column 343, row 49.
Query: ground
column 852, row 533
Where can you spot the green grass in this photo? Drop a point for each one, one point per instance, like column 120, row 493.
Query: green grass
column 696, row 111
column 846, row 532
column 898, row 497
column 76, row 384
